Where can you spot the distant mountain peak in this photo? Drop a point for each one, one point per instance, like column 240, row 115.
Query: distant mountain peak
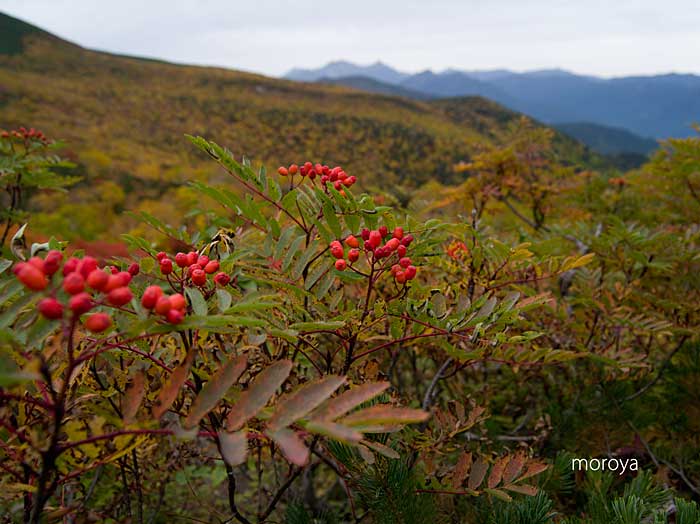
column 342, row 69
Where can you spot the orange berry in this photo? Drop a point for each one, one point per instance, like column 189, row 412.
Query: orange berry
column 282, row 171
column 151, row 296
column 98, row 322
column 351, row 241
column 97, row 279
column 120, row 296
column 163, row 305
column 32, row 277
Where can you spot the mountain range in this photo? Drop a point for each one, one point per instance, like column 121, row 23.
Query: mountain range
column 655, row 107
column 123, row 120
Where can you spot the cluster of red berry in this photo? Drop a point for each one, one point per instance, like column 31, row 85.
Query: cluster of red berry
column 195, row 267
column 376, row 248
column 336, row 175
column 82, row 281
column 171, row 307
column 24, row 133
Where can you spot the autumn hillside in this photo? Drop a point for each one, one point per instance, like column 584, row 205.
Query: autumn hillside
column 123, row 121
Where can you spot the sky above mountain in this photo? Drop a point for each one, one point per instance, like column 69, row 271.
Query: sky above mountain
column 600, row 37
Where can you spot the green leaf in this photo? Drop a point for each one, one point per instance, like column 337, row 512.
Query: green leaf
column 199, row 305
column 334, row 431
column 215, row 389
column 383, row 415
column 332, row 219
column 224, row 299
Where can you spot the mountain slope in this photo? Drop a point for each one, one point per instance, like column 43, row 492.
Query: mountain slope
column 659, row 106
column 608, row 140
column 371, row 85
column 124, row 120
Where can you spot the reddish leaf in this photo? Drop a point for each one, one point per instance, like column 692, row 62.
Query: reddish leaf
column 366, row 454
column 497, row 471
column 304, row 401
column 348, row 400
column 133, row 397
column 381, row 415
column 168, row 394
column 478, row 473
column 464, row 463
column 258, row 394
column 215, row 389
column 234, row 447
column 291, row 445
column 534, row 468
column 334, row 431
column 513, row 468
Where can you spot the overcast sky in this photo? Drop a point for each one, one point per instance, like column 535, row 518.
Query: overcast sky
column 603, row 37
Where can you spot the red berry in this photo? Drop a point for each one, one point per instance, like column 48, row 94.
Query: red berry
column 120, row 296
column 338, row 185
column 411, row 272
column 70, row 266
column 86, row 266
column 166, row 266
column 38, row 263
column 192, row 268
column 395, row 269
column 74, row 283
column 114, row 270
column 124, row 278
column 199, row 277
column 406, row 241
column 308, row 166
column 351, row 241
column 350, row 181
column 405, row 262
column 192, row 257
column 181, row 259
column 32, row 277
column 398, row 232
column 282, row 171
column 161, row 255
column 353, row 255
column 211, row 267
column 401, row 251
column 337, row 252
column 203, row 260
column 222, row 279
column 52, row 261
column 134, row 269
column 365, row 234
column 151, row 296
column 368, row 246
column 340, row 265
column 393, row 244
column 98, row 322
column 177, row 301
column 400, row 277
column 293, row 169
column 384, row 231
column 163, row 305
column 50, row 308
column 174, row 316
column 80, row 303
column 375, row 238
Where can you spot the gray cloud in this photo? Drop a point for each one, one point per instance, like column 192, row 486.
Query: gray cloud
column 587, row 36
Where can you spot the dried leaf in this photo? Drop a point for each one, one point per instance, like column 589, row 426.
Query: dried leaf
column 234, row 447
column 304, row 401
column 534, row 468
column 133, row 397
column 168, row 394
column 478, row 473
column 258, row 394
column 513, row 468
column 291, row 445
column 464, row 463
column 348, row 400
column 497, row 471
column 215, row 389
